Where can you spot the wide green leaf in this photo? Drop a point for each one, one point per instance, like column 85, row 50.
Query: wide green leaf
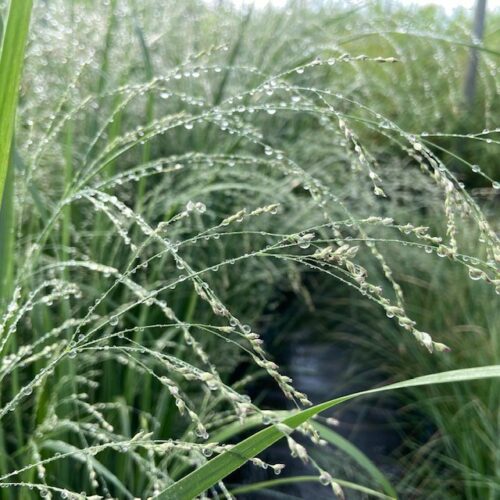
column 224, row 464
column 11, row 62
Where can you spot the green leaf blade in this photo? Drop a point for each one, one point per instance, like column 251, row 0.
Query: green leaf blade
column 224, row 464
column 11, row 63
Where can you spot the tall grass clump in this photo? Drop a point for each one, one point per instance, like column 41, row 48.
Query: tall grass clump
column 466, row 316
column 172, row 171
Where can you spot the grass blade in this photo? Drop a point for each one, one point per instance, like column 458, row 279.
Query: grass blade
column 11, row 62
column 14, row 34
column 356, row 454
column 7, row 235
column 221, row 466
column 274, row 483
column 79, row 456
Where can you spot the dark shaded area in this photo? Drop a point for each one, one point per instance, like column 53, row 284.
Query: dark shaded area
column 316, row 353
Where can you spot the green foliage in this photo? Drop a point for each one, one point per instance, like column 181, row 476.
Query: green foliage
column 11, row 61
column 176, row 171
column 218, row 468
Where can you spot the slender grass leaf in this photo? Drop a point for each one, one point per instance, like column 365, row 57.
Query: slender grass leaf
column 81, row 456
column 221, row 466
column 356, row 454
column 275, row 483
column 11, row 62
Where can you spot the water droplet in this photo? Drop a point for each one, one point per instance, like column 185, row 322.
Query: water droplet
column 200, row 207
column 475, row 274
column 324, row 478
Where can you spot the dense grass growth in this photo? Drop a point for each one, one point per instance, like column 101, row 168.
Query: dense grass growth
column 175, row 164
column 464, row 315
